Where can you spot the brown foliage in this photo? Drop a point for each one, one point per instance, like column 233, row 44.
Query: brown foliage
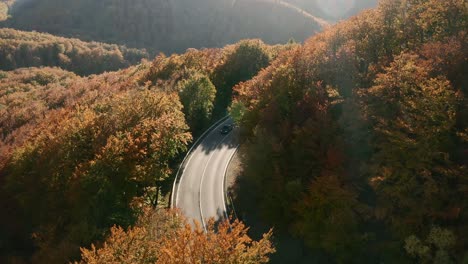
column 20, row 49
column 373, row 112
column 165, row 237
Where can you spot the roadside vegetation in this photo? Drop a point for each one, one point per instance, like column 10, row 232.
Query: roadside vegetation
column 358, row 138
column 79, row 155
column 166, row 237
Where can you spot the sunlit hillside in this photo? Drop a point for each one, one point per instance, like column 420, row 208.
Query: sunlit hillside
column 334, row 10
column 163, row 25
column 20, row 49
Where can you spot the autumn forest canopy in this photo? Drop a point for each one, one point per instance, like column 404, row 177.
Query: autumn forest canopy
column 353, row 144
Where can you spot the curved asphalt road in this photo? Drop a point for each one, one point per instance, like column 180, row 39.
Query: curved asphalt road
column 199, row 193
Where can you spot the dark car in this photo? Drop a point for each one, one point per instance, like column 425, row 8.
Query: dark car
column 226, row 129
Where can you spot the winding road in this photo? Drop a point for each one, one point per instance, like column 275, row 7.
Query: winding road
column 199, row 188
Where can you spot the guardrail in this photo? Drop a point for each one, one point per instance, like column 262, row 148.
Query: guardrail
column 189, row 152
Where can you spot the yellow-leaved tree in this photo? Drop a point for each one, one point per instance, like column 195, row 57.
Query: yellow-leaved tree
column 166, row 237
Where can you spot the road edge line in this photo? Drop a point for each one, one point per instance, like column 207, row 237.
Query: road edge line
column 178, row 178
column 201, row 182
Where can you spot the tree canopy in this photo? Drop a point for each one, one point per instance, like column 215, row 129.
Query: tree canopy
column 362, row 134
column 166, row 237
column 31, row 49
column 82, row 154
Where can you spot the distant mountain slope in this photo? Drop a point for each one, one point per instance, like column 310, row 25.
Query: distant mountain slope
column 334, row 10
column 164, row 25
column 31, row 49
column 299, row 9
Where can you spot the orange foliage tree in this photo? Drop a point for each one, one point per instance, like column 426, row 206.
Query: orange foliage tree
column 382, row 97
column 166, row 237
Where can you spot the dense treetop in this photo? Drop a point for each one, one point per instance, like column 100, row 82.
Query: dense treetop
column 363, row 135
column 81, row 154
column 27, row 94
column 32, row 49
column 358, row 139
column 166, row 237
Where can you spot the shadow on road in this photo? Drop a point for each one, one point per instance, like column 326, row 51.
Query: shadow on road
column 217, row 140
column 209, row 142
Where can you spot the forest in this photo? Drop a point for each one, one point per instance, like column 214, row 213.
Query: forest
column 163, row 25
column 354, row 143
column 363, row 135
column 80, row 155
column 20, row 49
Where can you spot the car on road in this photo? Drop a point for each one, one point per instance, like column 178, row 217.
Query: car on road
column 226, row 129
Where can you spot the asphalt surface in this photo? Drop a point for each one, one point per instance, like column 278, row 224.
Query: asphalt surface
column 199, row 193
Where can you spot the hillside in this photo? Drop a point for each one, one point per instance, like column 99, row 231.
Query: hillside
column 334, row 10
column 162, row 25
column 363, row 135
column 31, row 49
column 81, row 154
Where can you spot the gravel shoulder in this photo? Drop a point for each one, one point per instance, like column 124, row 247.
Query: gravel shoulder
column 233, row 172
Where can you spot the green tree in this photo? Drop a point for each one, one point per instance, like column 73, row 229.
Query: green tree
column 247, row 59
column 436, row 248
column 197, row 95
